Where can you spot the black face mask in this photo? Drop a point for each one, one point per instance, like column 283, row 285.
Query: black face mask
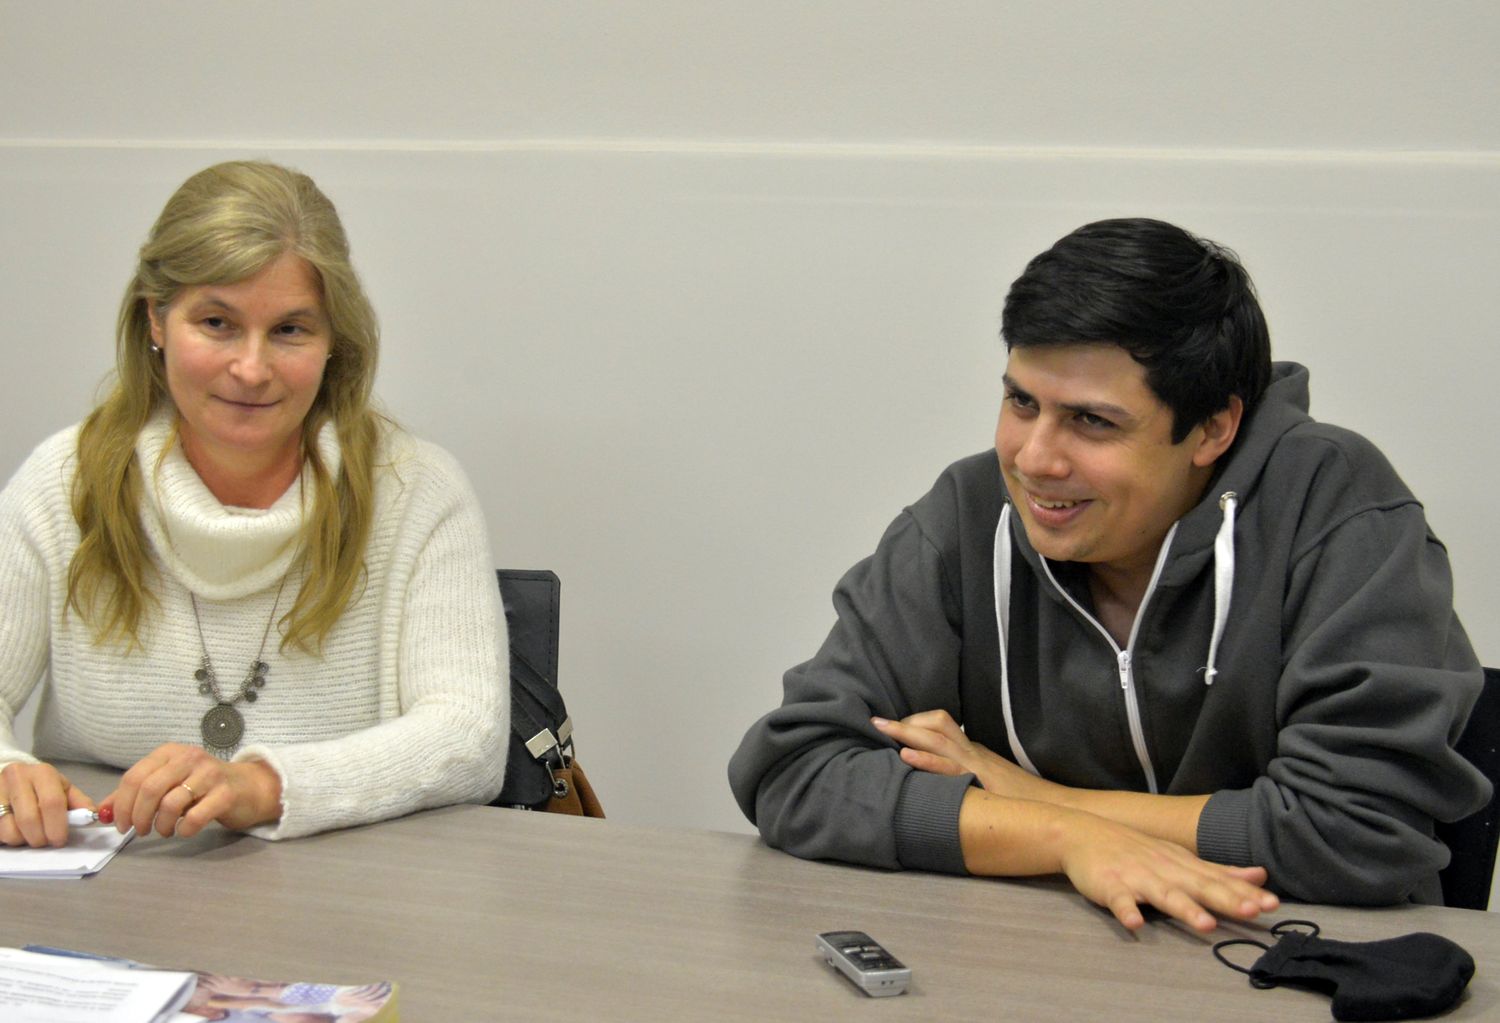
column 1399, row 978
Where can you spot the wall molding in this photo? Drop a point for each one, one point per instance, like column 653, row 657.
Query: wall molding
column 796, row 150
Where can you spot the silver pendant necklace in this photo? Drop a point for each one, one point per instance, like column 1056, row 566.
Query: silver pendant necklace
column 223, row 725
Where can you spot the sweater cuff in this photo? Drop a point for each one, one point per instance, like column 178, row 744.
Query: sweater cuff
column 1224, row 828
column 271, row 830
column 926, row 822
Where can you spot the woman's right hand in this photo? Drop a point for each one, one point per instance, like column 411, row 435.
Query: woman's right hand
column 39, row 797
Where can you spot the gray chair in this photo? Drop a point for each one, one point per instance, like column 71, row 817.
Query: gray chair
column 1472, row 841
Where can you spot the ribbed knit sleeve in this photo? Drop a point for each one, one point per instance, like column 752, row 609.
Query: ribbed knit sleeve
column 37, row 535
column 441, row 656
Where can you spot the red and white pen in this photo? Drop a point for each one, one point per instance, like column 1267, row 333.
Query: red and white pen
column 81, row 817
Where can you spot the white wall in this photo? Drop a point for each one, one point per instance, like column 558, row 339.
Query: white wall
column 702, row 294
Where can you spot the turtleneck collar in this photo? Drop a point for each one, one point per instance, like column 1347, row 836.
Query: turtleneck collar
column 217, row 551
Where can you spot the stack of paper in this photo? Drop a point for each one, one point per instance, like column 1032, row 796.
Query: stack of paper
column 38, row 988
column 87, row 851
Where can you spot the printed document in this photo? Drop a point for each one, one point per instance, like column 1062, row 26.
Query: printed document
column 37, row 988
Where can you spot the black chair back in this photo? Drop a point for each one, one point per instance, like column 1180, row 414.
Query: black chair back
column 1472, row 841
column 541, row 731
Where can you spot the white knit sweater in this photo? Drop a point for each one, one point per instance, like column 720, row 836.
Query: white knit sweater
column 407, row 707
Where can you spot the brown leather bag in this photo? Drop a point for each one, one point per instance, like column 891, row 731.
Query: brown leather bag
column 572, row 793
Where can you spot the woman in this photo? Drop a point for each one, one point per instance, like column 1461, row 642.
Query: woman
column 234, row 578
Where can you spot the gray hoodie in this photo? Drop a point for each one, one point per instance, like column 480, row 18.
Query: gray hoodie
column 1297, row 658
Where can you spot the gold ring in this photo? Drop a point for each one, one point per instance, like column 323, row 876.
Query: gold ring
column 4, row 809
column 184, row 785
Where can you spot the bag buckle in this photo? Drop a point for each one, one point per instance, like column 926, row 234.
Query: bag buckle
column 554, row 752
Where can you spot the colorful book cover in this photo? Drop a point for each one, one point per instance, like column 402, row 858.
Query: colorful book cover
column 241, row 1000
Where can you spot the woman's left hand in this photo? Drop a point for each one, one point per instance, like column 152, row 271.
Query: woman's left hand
column 933, row 741
column 179, row 790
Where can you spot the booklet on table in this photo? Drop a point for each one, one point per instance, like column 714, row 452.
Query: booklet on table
column 38, row 988
column 39, row 984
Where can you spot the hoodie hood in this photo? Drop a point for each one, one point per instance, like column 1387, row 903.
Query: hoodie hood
column 1283, row 406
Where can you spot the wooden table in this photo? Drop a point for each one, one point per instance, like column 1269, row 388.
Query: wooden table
column 484, row 914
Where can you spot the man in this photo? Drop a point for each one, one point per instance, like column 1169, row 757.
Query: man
column 1225, row 662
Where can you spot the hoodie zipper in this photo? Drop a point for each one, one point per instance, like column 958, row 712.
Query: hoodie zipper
column 1122, row 657
column 1133, row 710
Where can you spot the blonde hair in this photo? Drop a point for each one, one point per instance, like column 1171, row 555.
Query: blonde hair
column 224, row 224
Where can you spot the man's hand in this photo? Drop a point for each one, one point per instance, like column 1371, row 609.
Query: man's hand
column 1111, row 864
column 933, row 741
column 1122, row 869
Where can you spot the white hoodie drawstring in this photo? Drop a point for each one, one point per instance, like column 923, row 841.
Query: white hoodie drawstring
column 1223, row 581
column 1002, row 624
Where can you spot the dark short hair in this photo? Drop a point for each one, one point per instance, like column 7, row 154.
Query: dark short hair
column 1183, row 307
